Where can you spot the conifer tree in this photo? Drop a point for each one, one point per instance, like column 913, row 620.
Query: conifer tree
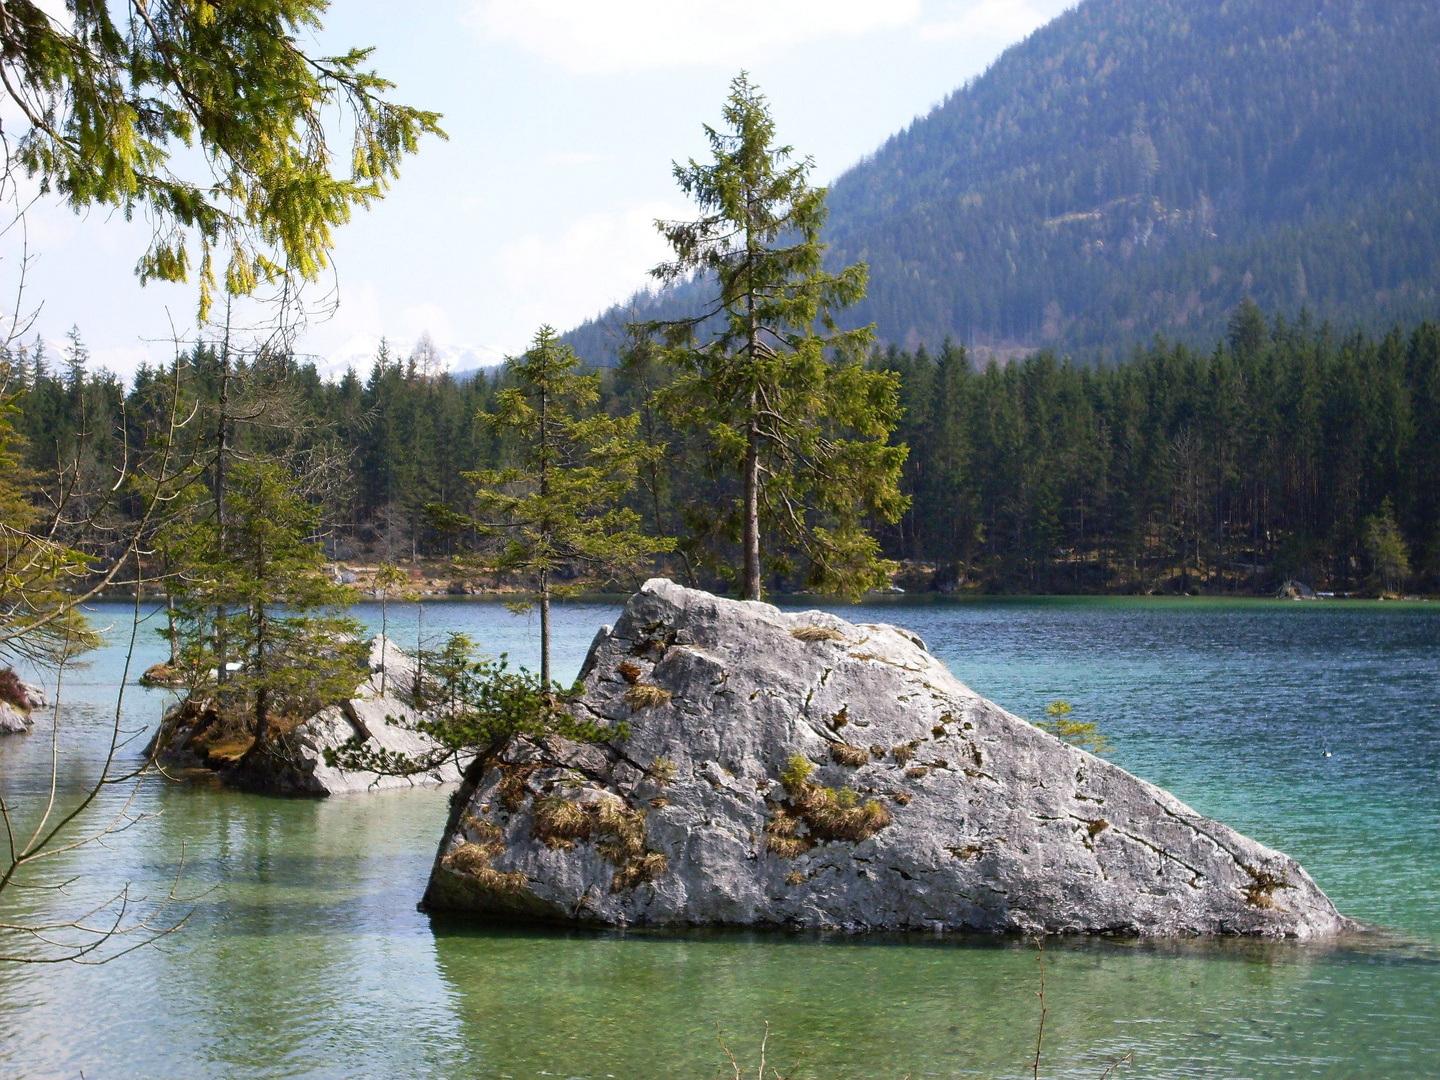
column 265, row 578
column 558, row 505
column 38, row 621
column 779, row 391
column 1387, row 550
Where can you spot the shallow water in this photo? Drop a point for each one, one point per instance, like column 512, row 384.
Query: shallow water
column 305, row 955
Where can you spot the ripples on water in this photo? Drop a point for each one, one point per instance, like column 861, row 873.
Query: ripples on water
column 306, row 956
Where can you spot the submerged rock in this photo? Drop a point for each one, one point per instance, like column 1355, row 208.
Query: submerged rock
column 793, row 769
column 294, row 762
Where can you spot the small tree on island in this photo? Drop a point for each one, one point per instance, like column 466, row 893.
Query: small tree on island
column 780, row 392
column 558, row 507
column 264, row 576
column 1084, row 734
column 474, row 706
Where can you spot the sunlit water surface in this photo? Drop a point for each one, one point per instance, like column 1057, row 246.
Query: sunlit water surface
column 306, row 956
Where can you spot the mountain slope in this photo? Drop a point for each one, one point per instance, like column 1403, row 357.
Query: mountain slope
column 1139, row 166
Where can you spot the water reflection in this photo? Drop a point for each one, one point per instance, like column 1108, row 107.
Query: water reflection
column 596, row 1005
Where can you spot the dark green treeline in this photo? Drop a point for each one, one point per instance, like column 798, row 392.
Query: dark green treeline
column 1287, row 452
column 1276, row 456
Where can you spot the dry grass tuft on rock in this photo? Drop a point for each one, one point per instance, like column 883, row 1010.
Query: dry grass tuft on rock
column 486, row 834
column 625, row 830
column 629, row 672
column 903, row 753
column 619, row 832
column 853, row 756
column 512, row 789
column 644, row 695
column 782, row 836
column 662, row 771
column 1261, row 893
column 649, row 867
column 826, row 813
column 815, row 633
column 559, row 822
column 472, row 861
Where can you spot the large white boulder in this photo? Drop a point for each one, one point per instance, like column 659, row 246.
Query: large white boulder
column 928, row 807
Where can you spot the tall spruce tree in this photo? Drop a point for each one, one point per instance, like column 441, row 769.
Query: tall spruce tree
column 558, row 506
column 778, row 390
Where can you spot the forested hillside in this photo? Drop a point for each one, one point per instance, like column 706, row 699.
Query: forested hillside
column 1137, row 167
column 1286, row 453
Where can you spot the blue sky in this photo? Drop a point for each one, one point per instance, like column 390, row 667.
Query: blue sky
column 564, row 117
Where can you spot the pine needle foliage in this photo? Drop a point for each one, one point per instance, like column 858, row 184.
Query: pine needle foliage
column 558, row 507
column 264, row 577
column 474, row 706
column 1084, row 734
column 38, row 621
column 210, row 119
column 779, row 391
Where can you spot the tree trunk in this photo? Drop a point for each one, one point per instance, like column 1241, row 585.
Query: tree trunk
column 418, row 691
column 384, row 636
column 171, row 633
column 221, row 447
column 547, row 535
column 750, row 578
column 545, row 629
column 750, row 587
column 262, row 692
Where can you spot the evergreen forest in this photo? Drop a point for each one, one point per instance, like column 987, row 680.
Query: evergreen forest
column 1288, row 451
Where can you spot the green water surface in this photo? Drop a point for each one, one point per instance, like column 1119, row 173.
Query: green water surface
column 306, row 956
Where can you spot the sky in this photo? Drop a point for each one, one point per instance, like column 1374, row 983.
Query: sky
column 564, row 117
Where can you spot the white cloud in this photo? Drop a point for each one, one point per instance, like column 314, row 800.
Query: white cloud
column 599, row 259
column 1006, row 20
column 609, row 36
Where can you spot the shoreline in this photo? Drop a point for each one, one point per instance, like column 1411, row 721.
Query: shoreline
column 908, row 599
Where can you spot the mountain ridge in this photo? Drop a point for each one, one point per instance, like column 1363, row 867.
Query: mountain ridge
column 1138, row 167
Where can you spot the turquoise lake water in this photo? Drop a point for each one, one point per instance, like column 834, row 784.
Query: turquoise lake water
column 306, row 956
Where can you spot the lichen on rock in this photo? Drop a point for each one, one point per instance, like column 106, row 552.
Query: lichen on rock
column 837, row 777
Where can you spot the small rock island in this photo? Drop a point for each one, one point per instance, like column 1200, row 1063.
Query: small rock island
column 795, row 770
column 382, row 713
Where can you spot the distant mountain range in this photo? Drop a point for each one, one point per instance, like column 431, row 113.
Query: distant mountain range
column 1138, row 167
column 359, row 352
